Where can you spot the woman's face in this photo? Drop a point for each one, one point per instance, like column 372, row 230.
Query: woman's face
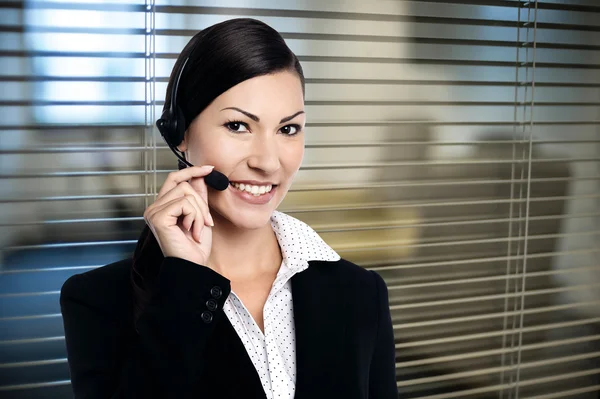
column 254, row 134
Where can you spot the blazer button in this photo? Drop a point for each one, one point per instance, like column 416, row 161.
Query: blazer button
column 216, row 292
column 211, row 304
column 207, row 317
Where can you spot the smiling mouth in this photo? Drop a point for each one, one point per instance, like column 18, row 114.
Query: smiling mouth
column 253, row 189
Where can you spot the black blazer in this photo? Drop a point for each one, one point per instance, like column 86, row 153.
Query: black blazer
column 344, row 337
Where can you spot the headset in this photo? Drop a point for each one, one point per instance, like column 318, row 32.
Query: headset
column 171, row 126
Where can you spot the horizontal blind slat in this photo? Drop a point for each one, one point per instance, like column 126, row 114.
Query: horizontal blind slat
column 494, row 370
column 307, row 58
column 500, row 333
column 31, row 29
column 357, row 123
column 494, row 352
column 487, row 279
column 33, row 363
column 487, row 316
column 564, row 394
column 45, row 384
column 494, row 388
column 412, row 264
column 75, row 149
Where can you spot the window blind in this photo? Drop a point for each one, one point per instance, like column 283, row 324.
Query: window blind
column 452, row 146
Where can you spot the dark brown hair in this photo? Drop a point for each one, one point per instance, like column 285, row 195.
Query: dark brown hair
column 224, row 55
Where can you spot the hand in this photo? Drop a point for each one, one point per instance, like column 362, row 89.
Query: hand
column 180, row 218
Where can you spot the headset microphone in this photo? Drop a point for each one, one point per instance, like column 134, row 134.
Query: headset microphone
column 171, row 126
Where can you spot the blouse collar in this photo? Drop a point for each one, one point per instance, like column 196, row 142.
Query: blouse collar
column 299, row 243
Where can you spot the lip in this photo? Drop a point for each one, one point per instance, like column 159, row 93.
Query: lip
column 251, row 199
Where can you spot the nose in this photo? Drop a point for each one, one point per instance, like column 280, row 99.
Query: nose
column 264, row 154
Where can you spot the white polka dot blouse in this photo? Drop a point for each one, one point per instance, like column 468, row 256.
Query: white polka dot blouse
column 273, row 353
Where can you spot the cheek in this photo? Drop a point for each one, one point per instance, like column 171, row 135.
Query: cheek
column 293, row 155
column 215, row 150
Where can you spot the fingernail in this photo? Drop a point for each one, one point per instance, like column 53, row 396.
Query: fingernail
column 209, row 166
column 211, row 221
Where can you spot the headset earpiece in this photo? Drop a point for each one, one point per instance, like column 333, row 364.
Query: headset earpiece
column 172, row 122
column 179, row 128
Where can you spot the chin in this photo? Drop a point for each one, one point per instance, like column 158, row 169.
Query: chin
column 248, row 219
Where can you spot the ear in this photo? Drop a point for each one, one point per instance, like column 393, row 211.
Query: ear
column 183, row 145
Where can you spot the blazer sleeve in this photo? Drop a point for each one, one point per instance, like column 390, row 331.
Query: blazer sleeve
column 382, row 374
column 165, row 359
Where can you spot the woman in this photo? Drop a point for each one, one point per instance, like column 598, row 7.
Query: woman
column 225, row 297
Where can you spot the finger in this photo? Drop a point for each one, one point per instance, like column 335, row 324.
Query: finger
column 199, row 186
column 176, row 192
column 174, row 178
column 186, row 189
column 200, row 218
column 167, row 215
column 203, row 205
column 192, row 221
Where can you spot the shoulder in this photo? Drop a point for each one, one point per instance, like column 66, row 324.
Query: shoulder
column 114, row 275
column 359, row 295
column 106, row 288
column 352, row 277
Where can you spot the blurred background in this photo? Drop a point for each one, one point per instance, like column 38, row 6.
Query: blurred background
column 452, row 146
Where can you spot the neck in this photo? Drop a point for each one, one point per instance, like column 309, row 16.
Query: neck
column 242, row 254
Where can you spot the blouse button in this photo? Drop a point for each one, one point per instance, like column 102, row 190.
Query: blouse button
column 207, row 317
column 211, row 304
column 216, row 292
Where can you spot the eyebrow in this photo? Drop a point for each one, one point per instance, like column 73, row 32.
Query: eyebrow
column 257, row 119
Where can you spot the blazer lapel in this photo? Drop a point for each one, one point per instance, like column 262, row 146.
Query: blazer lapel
column 319, row 317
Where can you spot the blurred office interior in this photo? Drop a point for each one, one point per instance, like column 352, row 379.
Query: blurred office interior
column 452, row 146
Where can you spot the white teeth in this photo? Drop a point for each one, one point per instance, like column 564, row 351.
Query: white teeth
column 254, row 190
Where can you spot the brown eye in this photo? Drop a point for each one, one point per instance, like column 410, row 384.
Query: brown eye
column 237, row 127
column 290, row 130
